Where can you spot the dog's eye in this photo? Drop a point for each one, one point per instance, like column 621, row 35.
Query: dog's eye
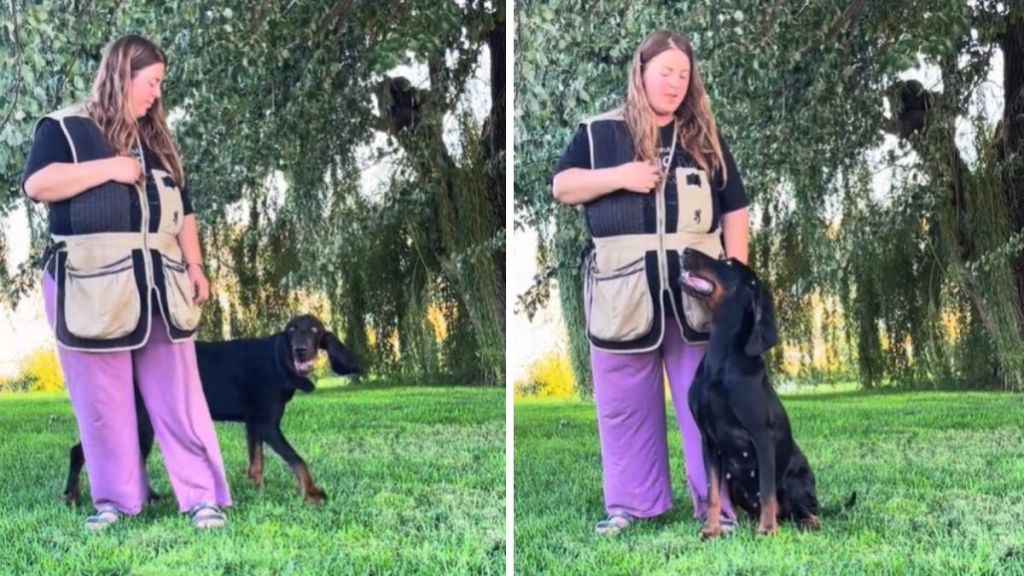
column 315, row 330
column 728, row 262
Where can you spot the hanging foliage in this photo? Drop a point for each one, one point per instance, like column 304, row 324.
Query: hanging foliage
column 917, row 282
column 314, row 190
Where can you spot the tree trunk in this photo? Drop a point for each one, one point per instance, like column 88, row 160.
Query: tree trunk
column 1012, row 45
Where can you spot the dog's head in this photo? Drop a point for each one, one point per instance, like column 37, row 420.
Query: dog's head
column 798, row 498
column 730, row 285
column 305, row 335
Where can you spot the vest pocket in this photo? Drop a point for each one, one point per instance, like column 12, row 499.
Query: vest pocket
column 172, row 209
column 695, row 203
column 101, row 299
column 178, row 288
column 696, row 313
column 619, row 307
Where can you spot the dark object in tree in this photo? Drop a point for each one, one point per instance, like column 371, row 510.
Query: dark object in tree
column 399, row 103
column 910, row 106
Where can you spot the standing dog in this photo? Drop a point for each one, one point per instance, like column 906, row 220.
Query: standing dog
column 251, row 381
column 745, row 430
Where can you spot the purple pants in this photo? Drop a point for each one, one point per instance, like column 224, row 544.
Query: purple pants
column 100, row 386
column 630, row 397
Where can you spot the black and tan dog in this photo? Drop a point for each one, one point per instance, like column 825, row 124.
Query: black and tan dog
column 745, row 431
column 251, row 381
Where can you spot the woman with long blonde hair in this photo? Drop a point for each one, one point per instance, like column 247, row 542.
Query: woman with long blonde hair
column 123, row 285
column 653, row 177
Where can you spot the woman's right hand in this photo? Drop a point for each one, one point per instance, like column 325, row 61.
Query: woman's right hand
column 639, row 176
column 124, row 169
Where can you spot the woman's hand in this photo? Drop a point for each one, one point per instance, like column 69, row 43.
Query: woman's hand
column 639, row 176
column 200, row 285
column 124, row 169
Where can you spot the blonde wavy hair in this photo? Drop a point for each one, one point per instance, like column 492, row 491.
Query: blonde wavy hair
column 109, row 106
column 698, row 133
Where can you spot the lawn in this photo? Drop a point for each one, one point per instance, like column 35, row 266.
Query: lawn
column 939, row 482
column 415, row 478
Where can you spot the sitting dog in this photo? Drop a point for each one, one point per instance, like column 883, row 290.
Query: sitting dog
column 745, row 431
column 251, row 381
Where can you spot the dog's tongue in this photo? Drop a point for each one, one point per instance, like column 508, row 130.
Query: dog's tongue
column 697, row 283
column 303, row 367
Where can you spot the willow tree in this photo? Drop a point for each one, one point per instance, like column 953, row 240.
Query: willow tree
column 921, row 283
column 279, row 111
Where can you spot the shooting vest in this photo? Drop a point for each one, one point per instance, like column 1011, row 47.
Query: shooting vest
column 115, row 253
column 634, row 268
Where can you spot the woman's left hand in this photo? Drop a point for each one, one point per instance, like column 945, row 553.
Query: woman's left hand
column 200, row 285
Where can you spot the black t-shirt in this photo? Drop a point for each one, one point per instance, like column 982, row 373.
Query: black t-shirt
column 731, row 197
column 50, row 145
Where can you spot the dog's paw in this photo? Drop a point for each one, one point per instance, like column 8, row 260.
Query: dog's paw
column 812, row 522
column 71, row 499
column 768, row 529
column 256, row 479
column 316, row 496
column 709, row 532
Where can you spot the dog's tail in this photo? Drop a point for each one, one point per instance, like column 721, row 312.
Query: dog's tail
column 833, row 510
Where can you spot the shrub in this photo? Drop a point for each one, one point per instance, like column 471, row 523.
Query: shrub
column 549, row 377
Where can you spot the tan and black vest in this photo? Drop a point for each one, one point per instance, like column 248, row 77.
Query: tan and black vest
column 115, row 253
column 635, row 266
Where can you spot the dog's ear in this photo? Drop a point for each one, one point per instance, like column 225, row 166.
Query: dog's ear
column 343, row 361
column 763, row 334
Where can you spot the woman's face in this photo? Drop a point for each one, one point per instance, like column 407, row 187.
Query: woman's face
column 666, row 79
column 144, row 89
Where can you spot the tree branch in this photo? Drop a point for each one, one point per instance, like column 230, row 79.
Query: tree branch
column 17, row 66
column 852, row 12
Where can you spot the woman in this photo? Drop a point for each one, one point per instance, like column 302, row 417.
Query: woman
column 653, row 177
column 123, row 284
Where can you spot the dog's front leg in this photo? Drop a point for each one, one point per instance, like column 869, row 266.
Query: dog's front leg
column 255, row 443
column 273, row 436
column 713, row 520
column 768, row 524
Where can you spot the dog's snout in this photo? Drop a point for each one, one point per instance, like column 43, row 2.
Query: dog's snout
column 300, row 350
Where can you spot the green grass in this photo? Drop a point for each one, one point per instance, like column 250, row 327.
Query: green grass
column 939, row 479
column 415, row 479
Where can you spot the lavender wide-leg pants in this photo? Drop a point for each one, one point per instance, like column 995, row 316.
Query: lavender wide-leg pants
column 102, row 396
column 630, row 397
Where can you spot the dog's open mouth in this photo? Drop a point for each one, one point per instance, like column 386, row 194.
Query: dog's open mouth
column 304, row 367
column 696, row 284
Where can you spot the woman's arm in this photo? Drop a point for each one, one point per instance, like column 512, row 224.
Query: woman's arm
column 60, row 181
column 580, row 185
column 736, row 234
column 188, row 239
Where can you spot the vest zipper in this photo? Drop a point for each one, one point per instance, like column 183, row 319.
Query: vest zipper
column 660, row 207
column 144, row 205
